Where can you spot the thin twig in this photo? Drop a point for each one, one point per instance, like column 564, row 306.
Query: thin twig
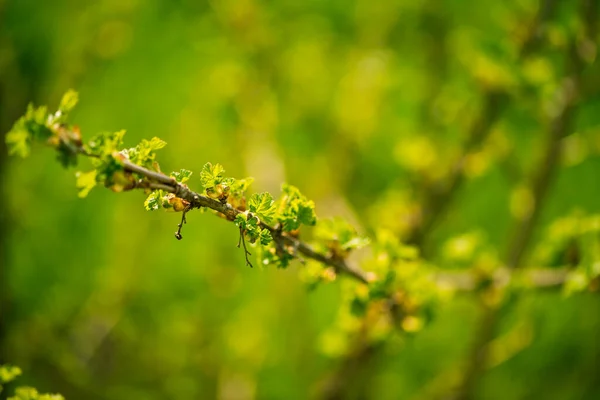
column 242, row 239
column 183, row 221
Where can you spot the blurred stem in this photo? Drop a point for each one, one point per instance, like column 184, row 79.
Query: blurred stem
column 560, row 126
column 438, row 196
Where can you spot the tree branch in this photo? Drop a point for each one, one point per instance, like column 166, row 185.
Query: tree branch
column 452, row 280
column 157, row 180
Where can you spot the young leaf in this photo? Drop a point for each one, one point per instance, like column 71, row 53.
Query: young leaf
column 30, row 127
column 85, row 182
column 8, row 373
column 105, row 143
column 340, row 234
column 29, row 393
column 17, row 141
column 265, row 237
column 239, row 186
column 211, row 175
column 154, row 200
column 182, row 176
column 295, row 209
column 240, row 220
column 262, row 204
column 143, row 153
column 68, row 101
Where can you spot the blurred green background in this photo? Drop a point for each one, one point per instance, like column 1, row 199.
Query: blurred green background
column 359, row 104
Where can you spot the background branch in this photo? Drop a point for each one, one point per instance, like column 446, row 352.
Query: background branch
column 560, row 126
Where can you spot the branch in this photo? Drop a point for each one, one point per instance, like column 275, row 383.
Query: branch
column 454, row 280
column 438, row 196
column 161, row 181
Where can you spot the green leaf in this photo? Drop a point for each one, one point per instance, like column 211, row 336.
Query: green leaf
column 182, row 176
column 295, row 209
column 17, row 141
column 265, row 237
column 211, row 175
column 85, row 182
column 355, row 242
column 143, row 153
column 8, row 373
column 306, row 213
column 29, row 393
column 240, row 220
column 262, row 204
column 154, row 200
column 68, row 101
column 30, row 127
column 237, row 187
column 105, row 143
column 154, row 143
column 252, row 229
column 341, row 233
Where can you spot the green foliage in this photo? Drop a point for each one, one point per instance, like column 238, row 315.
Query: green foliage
column 238, row 187
column 265, row 237
column 156, row 200
column 105, row 143
column 295, row 209
column 366, row 108
column 250, row 225
column 182, row 176
column 9, row 373
column 143, row 154
column 340, row 236
column 263, row 206
column 280, row 257
column 85, row 182
column 68, row 102
column 33, row 126
column 29, row 393
column 211, row 175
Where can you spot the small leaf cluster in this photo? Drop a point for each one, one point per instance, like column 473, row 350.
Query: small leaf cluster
column 295, row 209
column 400, row 298
column 38, row 125
column 104, row 149
column 573, row 241
column 249, row 224
column 143, row 154
column 214, row 182
column 224, row 189
column 339, row 236
column 9, row 373
column 182, row 176
column 158, row 199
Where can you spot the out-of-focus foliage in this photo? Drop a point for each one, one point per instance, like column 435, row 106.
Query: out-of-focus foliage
column 364, row 107
column 8, row 373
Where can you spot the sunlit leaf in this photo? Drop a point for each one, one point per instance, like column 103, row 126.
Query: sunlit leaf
column 85, row 182
column 262, row 204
